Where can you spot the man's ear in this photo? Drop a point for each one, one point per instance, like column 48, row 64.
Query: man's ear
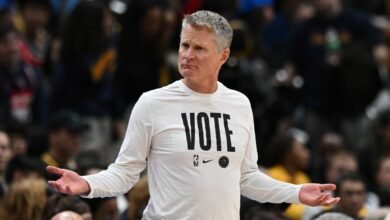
column 225, row 55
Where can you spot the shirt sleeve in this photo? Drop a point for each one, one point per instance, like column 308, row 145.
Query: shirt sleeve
column 131, row 161
column 260, row 187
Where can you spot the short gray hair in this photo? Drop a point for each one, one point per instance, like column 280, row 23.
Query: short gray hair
column 215, row 22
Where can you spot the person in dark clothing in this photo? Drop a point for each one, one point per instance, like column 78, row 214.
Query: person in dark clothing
column 84, row 77
column 22, row 97
column 336, row 54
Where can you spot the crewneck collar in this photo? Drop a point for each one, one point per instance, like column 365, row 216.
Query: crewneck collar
column 205, row 95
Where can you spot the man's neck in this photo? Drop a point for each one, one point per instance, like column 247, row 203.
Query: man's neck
column 206, row 87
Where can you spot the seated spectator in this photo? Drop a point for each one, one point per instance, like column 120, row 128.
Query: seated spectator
column 352, row 191
column 58, row 203
column 5, row 156
column 383, row 180
column 287, row 159
column 338, row 164
column 22, row 97
column 35, row 16
column 333, row 216
column 24, row 167
column 67, row 215
column 64, row 130
column 24, row 200
column 18, row 138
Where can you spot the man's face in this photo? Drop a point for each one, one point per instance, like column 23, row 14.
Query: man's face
column 5, row 150
column 68, row 143
column 9, row 50
column 199, row 57
column 352, row 197
column 325, row 7
column 383, row 177
column 340, row 165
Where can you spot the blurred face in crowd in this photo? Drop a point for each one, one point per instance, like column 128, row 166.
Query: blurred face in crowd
column 199, row 57
column 151, row 24
column 339, row 165
column 352, row 197
column 384, row 133
column 108, row 21
column 67, row 143
column 9, row 50
column 18, row 145
column 108, row 210
column 5, row 150
column 35, row 17
column 383, row 175
column 300, row 154
column 326, row 7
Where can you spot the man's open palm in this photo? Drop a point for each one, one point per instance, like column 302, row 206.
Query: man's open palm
column 69, row 182
column 314, row 194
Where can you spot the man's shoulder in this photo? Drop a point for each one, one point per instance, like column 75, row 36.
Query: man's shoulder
column 170, row 89
column 233, row 94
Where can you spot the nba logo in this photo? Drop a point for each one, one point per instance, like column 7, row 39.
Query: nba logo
column 196, row 160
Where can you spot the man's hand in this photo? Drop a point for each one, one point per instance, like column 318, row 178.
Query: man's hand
column 69, row 182
column 314, row 194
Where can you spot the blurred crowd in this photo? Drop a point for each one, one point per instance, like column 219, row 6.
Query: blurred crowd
column 315, row 71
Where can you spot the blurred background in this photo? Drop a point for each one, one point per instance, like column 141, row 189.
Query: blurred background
column 315, row 71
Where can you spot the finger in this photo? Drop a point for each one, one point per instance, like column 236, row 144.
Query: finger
column 55, row 170
column 325, row 197
column 332, row 201
column 54, row 185
column 327, row 186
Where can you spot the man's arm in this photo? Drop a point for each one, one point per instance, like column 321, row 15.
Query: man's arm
column 124, row 173
column 262, row 188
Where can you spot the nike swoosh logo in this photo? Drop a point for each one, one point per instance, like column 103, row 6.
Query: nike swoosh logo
column 206, row 161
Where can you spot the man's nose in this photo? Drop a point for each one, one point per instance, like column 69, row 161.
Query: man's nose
column 188, row 54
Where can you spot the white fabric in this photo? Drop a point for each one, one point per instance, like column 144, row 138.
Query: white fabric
column 186, row 183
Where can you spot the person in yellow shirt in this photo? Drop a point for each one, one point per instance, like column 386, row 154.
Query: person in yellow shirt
column 286, row 160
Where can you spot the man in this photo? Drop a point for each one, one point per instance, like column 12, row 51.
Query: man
column 352, row 190
column 197, row 139
column 22, row 96
column 5, row 156
column 336, row 53
column 64, row 130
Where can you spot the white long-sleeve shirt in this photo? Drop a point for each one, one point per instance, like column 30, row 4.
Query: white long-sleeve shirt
column 200, row 151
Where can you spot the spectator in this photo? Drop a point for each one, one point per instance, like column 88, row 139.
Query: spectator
column 336, row 53
column 383, row 180
column 83, row 79
column 287, row 158
column 5, row 156
column 377, row 144
column 352, row 191
column 64, row 133
column 67, row 215
column 58, row 203
column 35, row 15
column 24, row 167
column 22, row 98
column 142, row 49
column 24, row 200
column 333, row 216
column 331, row 143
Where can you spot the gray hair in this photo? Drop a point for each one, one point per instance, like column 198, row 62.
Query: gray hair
column 215, row 22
